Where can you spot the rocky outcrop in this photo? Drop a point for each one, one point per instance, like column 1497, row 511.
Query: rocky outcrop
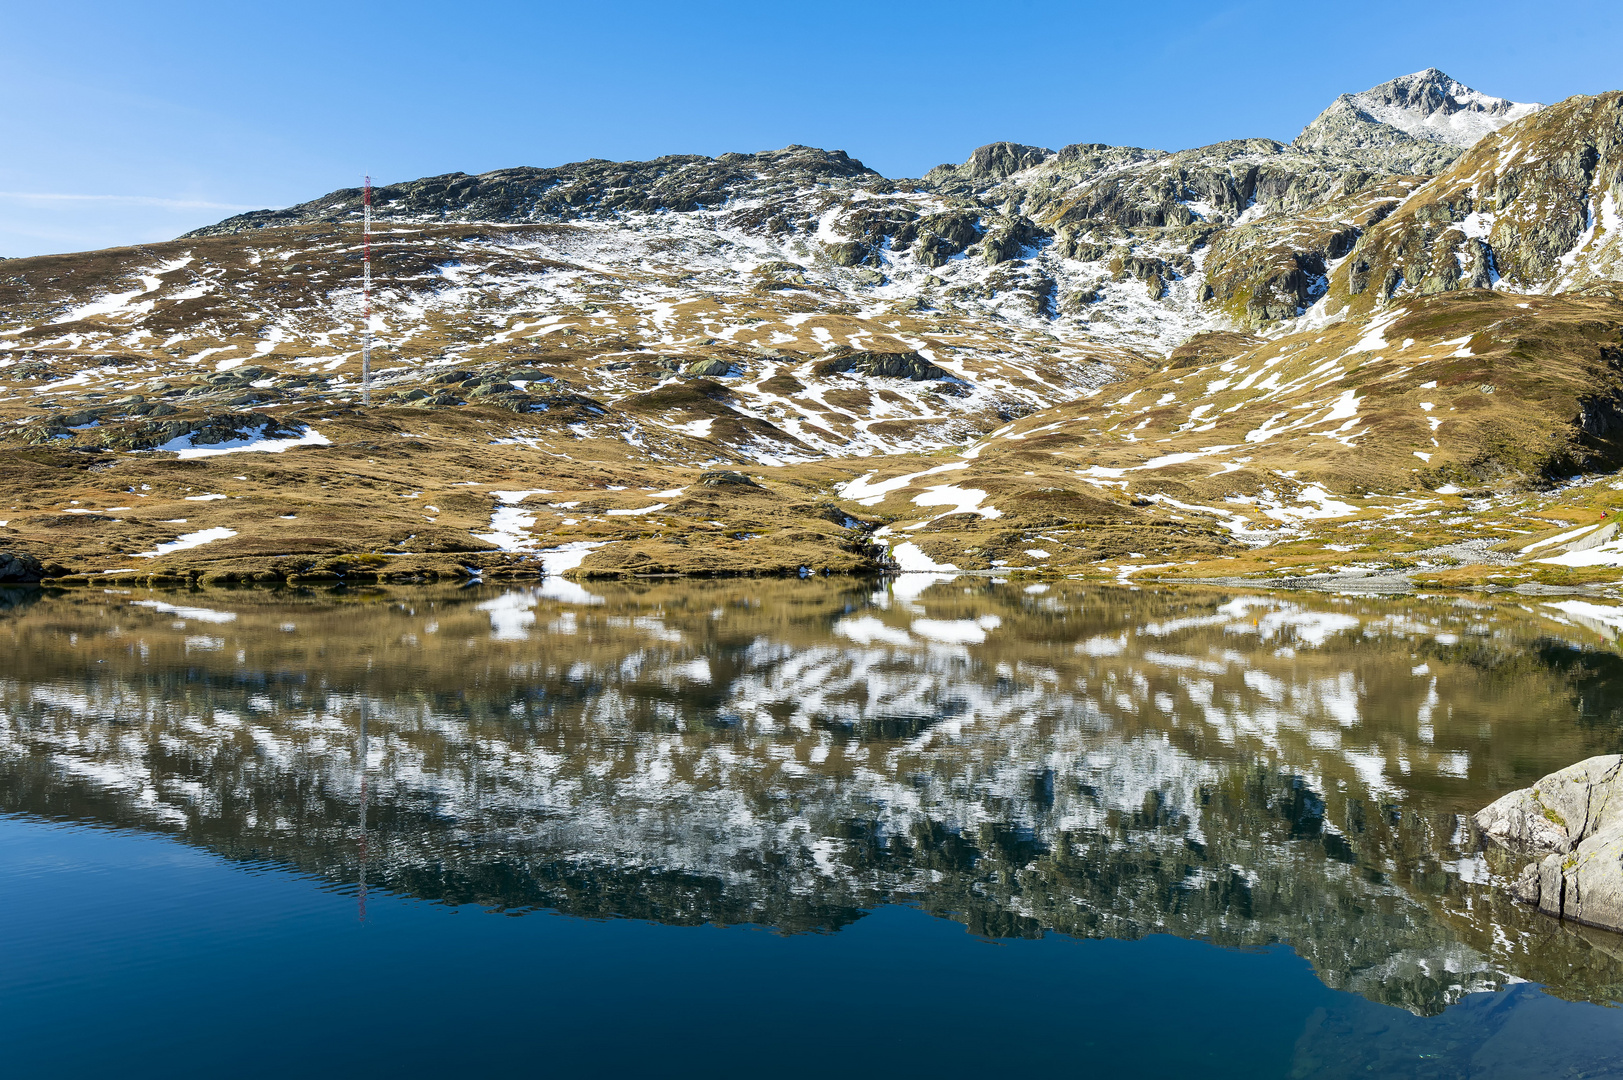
column 1276, row 268
column 1571, row 823
column 585, row 189
column 993, row 161
column 1534, row 205
column 16, row 568
column 905, row 365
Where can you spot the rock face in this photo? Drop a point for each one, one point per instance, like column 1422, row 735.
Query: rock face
column 1571, row 822
column 1534, row 205
column 585, row 189
column 907, row 365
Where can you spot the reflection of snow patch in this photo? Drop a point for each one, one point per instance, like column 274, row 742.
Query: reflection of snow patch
column 1102, row 646
column 956, row 631
column 867, row 629
column 200, row 614
column 511, row 616
column 697, row 670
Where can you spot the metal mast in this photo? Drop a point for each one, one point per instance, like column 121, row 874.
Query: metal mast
column 366, row 294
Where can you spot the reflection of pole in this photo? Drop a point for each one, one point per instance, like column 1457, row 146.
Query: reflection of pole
column 362, row 894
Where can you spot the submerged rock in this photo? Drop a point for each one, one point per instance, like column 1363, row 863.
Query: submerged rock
column 1571, row 823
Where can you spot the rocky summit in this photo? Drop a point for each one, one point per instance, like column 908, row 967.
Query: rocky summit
column 1387, row 353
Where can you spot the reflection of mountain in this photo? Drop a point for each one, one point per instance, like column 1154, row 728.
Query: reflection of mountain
column 1101, row 764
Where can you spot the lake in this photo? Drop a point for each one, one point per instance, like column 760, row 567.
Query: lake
column 790, row 828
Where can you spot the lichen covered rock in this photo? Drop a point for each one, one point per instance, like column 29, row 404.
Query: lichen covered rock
column 1571, row 822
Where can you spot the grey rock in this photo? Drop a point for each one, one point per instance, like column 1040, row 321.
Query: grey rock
column 908, row 365
column 1571, row 824
column 725, row 478
column 15, row 567
column 1074, row 303
column 710, row 369
column 583, row 189
column 1417, row 123
column 849, row 253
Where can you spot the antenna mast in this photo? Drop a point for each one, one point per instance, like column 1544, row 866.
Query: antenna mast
column 366, row 294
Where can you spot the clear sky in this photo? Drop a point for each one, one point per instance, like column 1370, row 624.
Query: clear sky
column 131, row 122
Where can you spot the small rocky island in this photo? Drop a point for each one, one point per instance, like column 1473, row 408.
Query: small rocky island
column 1570, row 824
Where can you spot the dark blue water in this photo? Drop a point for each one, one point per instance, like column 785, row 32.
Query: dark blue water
column 140, row 956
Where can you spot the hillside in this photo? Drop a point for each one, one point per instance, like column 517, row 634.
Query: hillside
column 1250, row 357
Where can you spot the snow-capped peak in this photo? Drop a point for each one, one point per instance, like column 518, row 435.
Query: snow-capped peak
column 1432, row 106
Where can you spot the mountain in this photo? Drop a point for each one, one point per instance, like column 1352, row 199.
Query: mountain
column 785, row 362
column 1415, row 123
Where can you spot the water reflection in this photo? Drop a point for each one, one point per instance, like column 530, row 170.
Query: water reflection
column 1019, row 758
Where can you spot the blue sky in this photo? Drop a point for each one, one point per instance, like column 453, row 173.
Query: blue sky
column 126, row 123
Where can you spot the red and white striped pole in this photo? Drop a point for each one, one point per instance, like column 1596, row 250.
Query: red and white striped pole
column 366, row 293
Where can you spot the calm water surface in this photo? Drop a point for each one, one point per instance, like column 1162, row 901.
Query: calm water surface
column 789, row 828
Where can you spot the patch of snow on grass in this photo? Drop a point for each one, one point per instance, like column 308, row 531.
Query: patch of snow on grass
column 698, row 429
column 184, row 447
column 1558, row 539
column 189, row 540
column 868, row 493
column 1321, row 506
column 1608, row 554
column 911, row 560
column 962, row 500
column 1604, row 614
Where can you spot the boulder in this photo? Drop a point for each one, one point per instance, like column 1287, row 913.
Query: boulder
column 848, row 253
column 16, row 568
column 710, row 369
column 903, row 365
column 725, row 478
column 1571, row 825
